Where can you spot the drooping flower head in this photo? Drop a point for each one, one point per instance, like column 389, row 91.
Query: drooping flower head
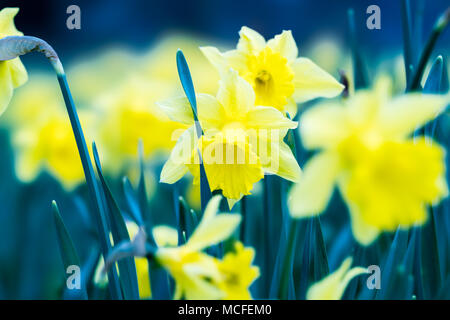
column 12, row 72
column 241, row 140
column 366, row 149
column 279, row 78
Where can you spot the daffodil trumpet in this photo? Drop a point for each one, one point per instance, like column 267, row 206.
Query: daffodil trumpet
column 14, row 46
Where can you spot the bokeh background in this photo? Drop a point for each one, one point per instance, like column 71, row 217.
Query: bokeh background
column 123, row 40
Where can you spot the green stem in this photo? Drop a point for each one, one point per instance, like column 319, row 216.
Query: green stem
column 286, row 269
column 90, row 180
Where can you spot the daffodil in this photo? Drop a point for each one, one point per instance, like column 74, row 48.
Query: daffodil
column 366, row 149
column 44, row 140
column 237, row 273
column 279, row 77
column 157, row 64
column 196, row 273
column 332, row 287
column 126, row 114
column 12, row 72
column 241, row 142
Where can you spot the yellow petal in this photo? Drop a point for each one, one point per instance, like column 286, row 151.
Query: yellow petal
column 284, row 44
column 165, row 236
column 250, row 41
column 362, row 232
column 291, row 108
column 175, row 167
column 282, row 162
column 312, row 82
column 213, row 228
column 235, row 94
column 332, row 287
column 210, row 111
column 310, row 196
column 177, row 109
column 215, row 57
column 401, row 116
column 268, row 118
column 19, row 74
column 6, row 86
column 324, row 126
column 7, row 27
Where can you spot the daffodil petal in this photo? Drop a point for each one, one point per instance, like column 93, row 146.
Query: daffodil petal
column 235, row 94
column 6, row 86
column 332, row 287
column 210, row 111
column 363, row 233
column 175, row 167
column 216, row 230
column 403, row 115
column 250, row 41
column 177, row 109
column 310, row 196
column 291, row 108
column 323, row 126
column 282, row 162
column 19, row 74
column 215, row 57
column 312, row 82
column 284, row 44
column 268, row 118
column 165, row 236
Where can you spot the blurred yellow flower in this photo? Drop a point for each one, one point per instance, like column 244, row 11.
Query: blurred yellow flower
column 127, row 114
column 91, row 75
column 12, row 72
column 42, row 135
column 237, row 273
column 280, row 79
column 158, row 63
column 241, row 140
column 386, row 178
column 332, row 287
column 197, row 274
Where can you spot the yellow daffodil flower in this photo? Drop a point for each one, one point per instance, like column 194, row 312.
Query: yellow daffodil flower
column 196, row 274
column 241, row 141
column 44, row 140
column 332, row 287
column 366, row 149
column 128, row 114
column 157, row 63
column 237, row 273
column 280, row 78
column 12, row 72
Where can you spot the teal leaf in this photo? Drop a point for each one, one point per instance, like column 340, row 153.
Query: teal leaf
column 68, row 252
column 127, row 267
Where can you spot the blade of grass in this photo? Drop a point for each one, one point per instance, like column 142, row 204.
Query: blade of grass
column 68, row 252
column 407, row 39
column 127, row 267
column 438, row 28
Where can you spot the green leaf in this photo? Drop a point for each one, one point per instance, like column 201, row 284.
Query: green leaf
column 99, row 215
column 439, row 26
column 127, row 267
column 407, row 39
column 188, row 87
column 434, row 79
column 360, row 76
column 67, row 250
